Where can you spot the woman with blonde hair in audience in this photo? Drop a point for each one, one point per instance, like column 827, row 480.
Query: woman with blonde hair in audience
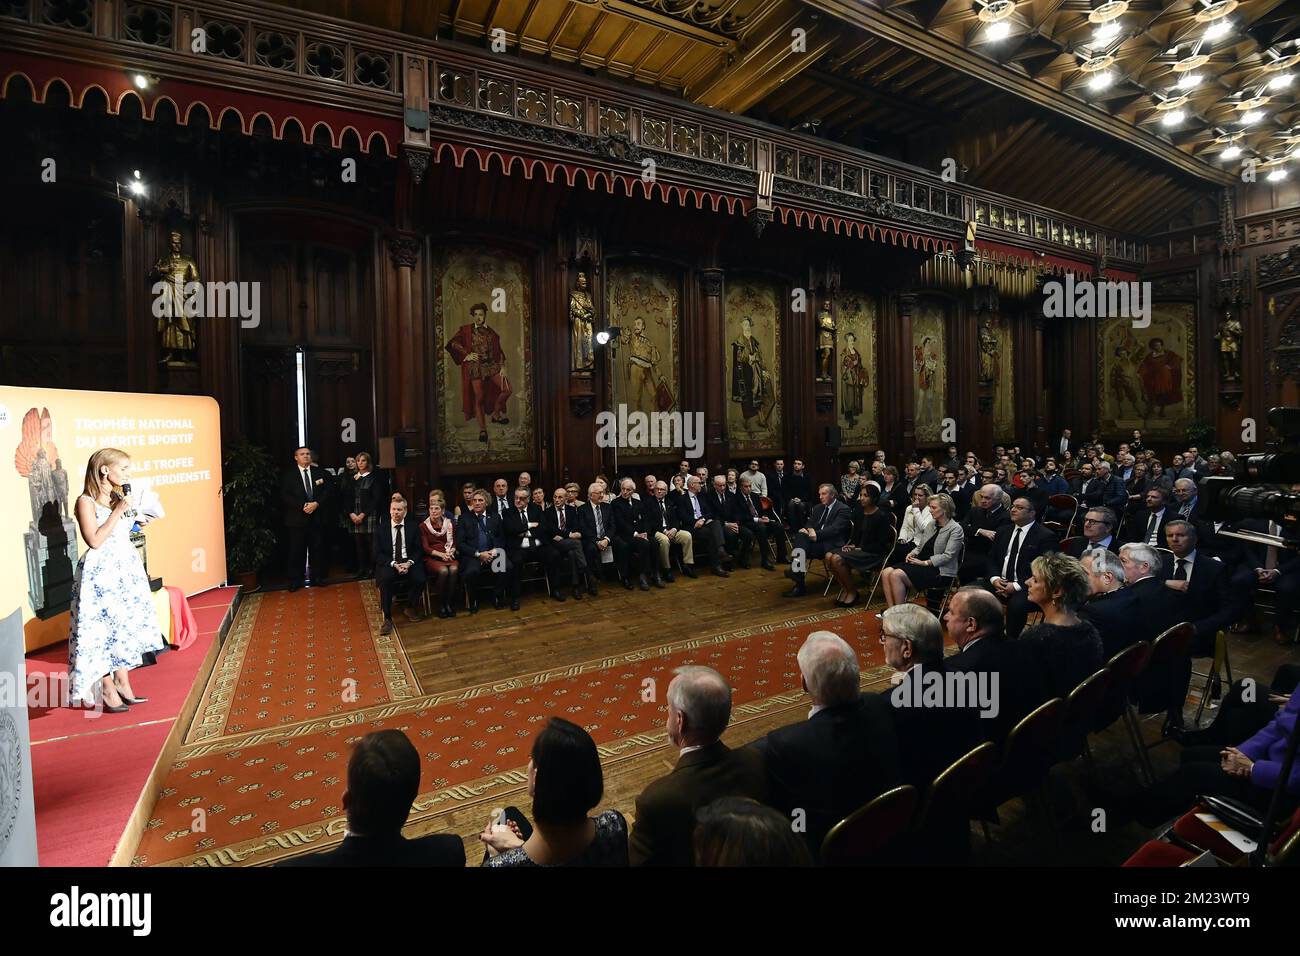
column 565, row 782
column 925, row 565
column 850, row 483
column 917, row 528
column 1064, row 649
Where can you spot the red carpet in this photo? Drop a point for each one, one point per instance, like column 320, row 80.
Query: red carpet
column 269, row 792
column 88, row 772
column 293, row 657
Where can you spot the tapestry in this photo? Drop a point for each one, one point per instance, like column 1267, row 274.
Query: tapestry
column 855, row 370
column 645, row 303
column 929, row 372
column 1147, row 375
column 753, row 331
column 482, row 318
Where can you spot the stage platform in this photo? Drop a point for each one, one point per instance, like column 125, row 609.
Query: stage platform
column 95, row 777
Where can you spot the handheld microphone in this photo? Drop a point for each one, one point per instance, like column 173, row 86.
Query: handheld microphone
column 126, row 493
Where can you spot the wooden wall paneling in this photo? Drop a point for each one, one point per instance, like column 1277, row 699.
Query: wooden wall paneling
column 899, row 358
column 708, row 339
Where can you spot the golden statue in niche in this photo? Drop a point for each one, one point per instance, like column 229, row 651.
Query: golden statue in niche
column 1229, row 336
column 582, row 320
column 176, row 332
column 825, row 346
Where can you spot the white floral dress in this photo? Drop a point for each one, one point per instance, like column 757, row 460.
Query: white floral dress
column 114, row 623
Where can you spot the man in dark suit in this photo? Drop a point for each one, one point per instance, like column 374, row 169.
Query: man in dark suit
column 934, row 734
column 843, row 755
column 980, row 529
column 520, row 526
column 929, row 475
column 693, row 514
column 1149, row 528
column 1013, row 551
column 973, row 621
column 562, row 544
column 721, row 503
column 828, row 528
column 383, row 780
column 305, row 493
column 663, row 524
column 699, row 707
column 1111, row 607
column 778, row 481
column 1098, row 532
column 596, row 522
column 399, row 557
column 1064, row 443
column 500, row 502
column 631, row 540
column 481, row 547
column 959, row 492
column 1157, row 608
column 1268, row 566
column 750, row 515
column 1112, row 492
column 798, row 497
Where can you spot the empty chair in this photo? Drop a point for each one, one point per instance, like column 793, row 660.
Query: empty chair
column 1082, row 710
column 943, row 826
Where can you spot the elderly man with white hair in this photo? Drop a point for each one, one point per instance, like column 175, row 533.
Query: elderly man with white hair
column 985, row 519
column 1157, row 609
column 1112, row 607
column 699, row 707
column 822, row 769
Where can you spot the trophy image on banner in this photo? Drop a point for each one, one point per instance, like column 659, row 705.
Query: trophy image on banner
column 51, row 539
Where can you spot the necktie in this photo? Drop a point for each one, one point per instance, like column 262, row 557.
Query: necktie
column 599, row 526
column 825, row 514
column 695, row 503
column 399, row 550
column 752, row 513
column 1181, row 573
column 306, row 483
column 1009, row 572
column 561, row 510
column 1153, row 527
column 663, row 513
column 523, row 520
column 482, row 532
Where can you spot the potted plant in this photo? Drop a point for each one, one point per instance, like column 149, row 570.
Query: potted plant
column 248, row 489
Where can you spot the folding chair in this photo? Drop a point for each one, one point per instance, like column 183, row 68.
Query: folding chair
column 1169, row 647
column 1082, row 709
column 1028, row 754
column 893, row 540
column 1124, row 668
column 1220, row 670
column 865, row 836
column 945, row 818
column 1061, row 503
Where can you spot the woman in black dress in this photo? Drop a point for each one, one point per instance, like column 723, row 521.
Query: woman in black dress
column 872, row 536
column 1063, row 650
column 361, row 497
column 565, row 782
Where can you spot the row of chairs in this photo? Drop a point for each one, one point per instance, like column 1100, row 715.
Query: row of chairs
column 1188, row 837
column 981, row 781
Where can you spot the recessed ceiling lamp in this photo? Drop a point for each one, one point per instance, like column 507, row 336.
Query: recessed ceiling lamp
column 1189, row 81
column 1099, row 81
column 1173, row 117
column 1099, row 76
column 1282, row 62
column 1105, row 18
column 996, row 16
column 1231, row 152
column 1275, row 174
column 1281, row 81
column 1251, row 116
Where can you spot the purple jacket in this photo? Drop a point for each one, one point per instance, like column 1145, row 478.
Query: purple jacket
column 1268, row 748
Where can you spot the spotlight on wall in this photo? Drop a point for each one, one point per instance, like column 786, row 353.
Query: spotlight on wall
column 605, row 336
column 136, row 185
column 1276, row 174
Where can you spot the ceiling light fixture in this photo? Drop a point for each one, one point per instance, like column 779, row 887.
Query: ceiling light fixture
column 1276, row 174
column 1189, row 81
column 1099, row 81
column 997, row 18
column 1251, row 116
column 1281, row 81
column 1173, row 117
column 1217, row 29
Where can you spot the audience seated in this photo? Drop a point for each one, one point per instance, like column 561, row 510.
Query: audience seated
column 699, row 708
column 1099, row 525
column 1110, row 606
column 481, row 545
column 868, row 549
column 935, row 721
column 565, row 782
column 633, row 550
column 663, row 524
column 561, row 537
column 383, row 780
column 927, row 566
column 827, row 530
column 845, row 753
column 987, row 517
column 399, row 559
column 693, row 514
column 1014, row 550
column 1064, row 649
column 737, row 831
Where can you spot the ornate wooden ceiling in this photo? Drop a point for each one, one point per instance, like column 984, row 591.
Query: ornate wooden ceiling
column 922, row 80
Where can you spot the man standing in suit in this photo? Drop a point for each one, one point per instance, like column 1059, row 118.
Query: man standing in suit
column 1150, row 528
column 562, row 542
column 843, row 755
column 928, row 475
column 383, row 780
column 399, row 556
column 631, row 540
column 699, row 708
column 1098, row 532
column 958, row 491
column 596, row 521
column 1014, row 549
column 481, row 546
column 520, row 527
column 1065, row 444
column 693, row 515
column 305, row 491
column 663, row 523
column 777, row 483
column 1111, row 607
column 828, row 528
column 986, row 518
column 799, row 496
column 751, row 516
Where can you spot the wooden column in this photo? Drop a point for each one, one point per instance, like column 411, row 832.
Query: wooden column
column 401, row 337
column 711, row 340
column 904, row 303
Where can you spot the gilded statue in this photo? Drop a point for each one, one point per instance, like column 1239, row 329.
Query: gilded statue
column 582, row 319
column 175, row 326
column 1229, row 336
column 825, row 346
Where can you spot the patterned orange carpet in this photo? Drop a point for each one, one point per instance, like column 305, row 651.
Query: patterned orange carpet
column 294, row 657
column 270, row 783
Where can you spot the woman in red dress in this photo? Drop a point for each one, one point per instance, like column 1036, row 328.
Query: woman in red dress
column 440, row 547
